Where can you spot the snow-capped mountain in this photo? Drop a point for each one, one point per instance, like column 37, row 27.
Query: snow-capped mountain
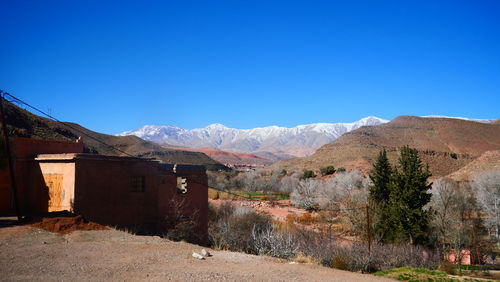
column 301, row 140
column 470, row 119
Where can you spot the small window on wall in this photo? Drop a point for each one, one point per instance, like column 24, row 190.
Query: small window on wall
column 138, row 183
column 181, row 185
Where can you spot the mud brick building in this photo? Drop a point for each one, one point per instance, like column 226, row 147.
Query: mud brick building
column 134, row 193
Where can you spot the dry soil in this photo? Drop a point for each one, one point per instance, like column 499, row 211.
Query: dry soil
column 28, row 253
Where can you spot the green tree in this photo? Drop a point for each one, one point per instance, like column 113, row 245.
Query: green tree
column 341, row 169
column 408, row 196
column 379, row 196
column 327, row 170
column 308, row 174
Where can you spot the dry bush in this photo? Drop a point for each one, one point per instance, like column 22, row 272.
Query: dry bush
column 306, row 219
column 231, row 227
column 275, row 243
column 244, row 230
column 301, row 258
column 182, row 226
column 291, row 218
column 354, row 256
column 449, row 268
column 487, row 185
column 305, row 194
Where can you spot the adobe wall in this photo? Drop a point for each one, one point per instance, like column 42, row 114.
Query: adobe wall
column 33, row 193
column 30, row 148
column 27, row 176
column 193, row 205
column 6, row 201
column 103, row 192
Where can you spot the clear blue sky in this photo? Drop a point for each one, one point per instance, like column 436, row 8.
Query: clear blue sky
column 117, row 65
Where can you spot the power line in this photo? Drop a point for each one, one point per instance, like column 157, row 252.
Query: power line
column 17, row 100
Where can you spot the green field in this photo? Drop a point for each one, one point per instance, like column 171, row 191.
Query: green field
column 422, row 274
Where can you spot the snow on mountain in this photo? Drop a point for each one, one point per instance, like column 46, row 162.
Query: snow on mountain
column 471, row 119
column 301, row 140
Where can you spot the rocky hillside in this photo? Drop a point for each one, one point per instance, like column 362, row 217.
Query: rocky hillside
column 228, row 158
column 446, row 144
column 268, row 142
column 490, row 160
column 22, row 123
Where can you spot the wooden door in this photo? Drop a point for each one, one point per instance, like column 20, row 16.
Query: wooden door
column 54, row 183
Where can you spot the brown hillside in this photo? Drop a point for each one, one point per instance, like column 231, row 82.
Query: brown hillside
column 22, row 123
column 228, row 158
column 445, row 144
column 490, row 160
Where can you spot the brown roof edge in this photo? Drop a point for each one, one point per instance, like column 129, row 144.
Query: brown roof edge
column 73, row 156
column 31, row 139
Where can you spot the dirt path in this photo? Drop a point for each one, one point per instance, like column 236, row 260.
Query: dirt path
column 28, row 253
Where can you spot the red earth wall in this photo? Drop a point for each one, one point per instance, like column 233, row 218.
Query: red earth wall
column 24, row 151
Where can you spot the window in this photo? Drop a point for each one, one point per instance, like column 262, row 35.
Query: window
column 138, row 183
column 181, row 185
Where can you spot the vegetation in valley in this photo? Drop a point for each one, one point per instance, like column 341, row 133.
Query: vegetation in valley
column 413, row 222
column 398, row 197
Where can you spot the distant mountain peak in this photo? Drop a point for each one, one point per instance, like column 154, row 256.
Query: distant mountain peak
column 216, row 126
column 296, row 141
column 462, row 118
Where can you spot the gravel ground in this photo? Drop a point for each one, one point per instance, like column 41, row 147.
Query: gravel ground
column 28, row 253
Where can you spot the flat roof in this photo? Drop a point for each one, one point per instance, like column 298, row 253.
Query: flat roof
column 71, row 157
column 74, row 156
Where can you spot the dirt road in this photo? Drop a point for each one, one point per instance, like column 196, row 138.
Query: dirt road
column 28, row 253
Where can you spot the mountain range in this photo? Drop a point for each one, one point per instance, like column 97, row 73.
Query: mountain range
column 446, row 144
column 272, row 142
column 455, row 147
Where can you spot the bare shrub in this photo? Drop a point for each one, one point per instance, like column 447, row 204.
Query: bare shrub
column 274, row 243
column 224, row 180
column 457, row 225
column 180, row 224
column 244, row 230
column 487, row 185
column 305, row 194
column 231, row 228
column 354, row 256
column 289, row 183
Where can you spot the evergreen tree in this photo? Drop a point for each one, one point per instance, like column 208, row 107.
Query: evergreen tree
column 380, row 195
column 408, row 196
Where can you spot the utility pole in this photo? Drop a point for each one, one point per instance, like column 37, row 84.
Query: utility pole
column 368, row 235
column 9, row 157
